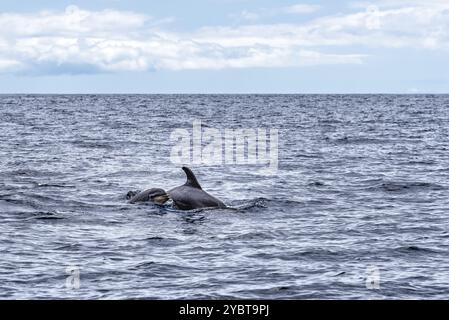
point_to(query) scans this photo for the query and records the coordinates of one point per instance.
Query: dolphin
(156, 195)
(191, 196)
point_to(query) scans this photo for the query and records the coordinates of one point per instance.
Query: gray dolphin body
(191, 196)
(155, 195)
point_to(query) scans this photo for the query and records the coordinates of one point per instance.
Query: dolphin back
(192, 196)
(188, 198)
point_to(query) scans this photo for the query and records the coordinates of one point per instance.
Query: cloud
(398, 3)
(9, 65)
(302, 8)
(73, 21)
(82, 41)
(247, 15)
(252, 16)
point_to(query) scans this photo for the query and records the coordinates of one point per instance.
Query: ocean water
(358, 208)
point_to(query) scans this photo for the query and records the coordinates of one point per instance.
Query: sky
(224, 46)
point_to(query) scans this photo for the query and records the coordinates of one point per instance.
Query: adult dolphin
(191, 196)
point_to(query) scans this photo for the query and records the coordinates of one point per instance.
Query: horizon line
(225, 93)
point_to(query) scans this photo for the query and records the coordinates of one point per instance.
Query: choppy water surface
(363, 182)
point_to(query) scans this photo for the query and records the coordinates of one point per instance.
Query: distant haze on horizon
(224, 46)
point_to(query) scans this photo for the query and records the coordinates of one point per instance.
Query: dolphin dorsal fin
(191, 179)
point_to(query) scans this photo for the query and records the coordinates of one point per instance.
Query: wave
(54, 185)
(413, 249)
(28, 173)
(92, 144)
(257, 235)
(403, 186)
(359, 140)
(240, 205)
(44, 215)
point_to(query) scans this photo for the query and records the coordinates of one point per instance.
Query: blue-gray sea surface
(360, 199)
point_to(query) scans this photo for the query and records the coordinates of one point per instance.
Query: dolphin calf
(156, 195)
(191, 196)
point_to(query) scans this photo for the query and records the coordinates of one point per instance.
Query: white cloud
(78, 40)
(302, 8)
(252, 16)
(398, 3)
(9, 65)
(247, 15)
(72, 21)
